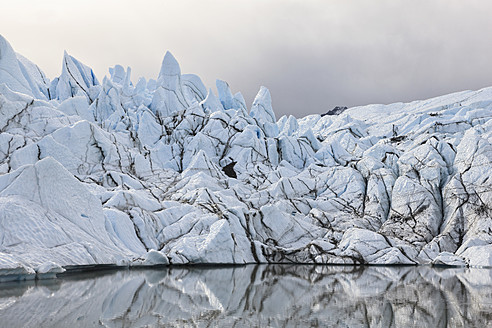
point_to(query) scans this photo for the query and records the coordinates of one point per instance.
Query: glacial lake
(254, 296)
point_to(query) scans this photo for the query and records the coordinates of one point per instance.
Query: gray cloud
(312, 55)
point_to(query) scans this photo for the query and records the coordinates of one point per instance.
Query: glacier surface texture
(166, 172)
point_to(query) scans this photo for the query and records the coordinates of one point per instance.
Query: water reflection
(250, 296)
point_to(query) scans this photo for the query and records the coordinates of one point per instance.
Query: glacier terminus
(165, 171)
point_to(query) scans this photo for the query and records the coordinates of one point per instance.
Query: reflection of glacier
(165, 171)
(249, 296)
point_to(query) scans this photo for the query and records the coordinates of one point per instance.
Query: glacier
(164, 172)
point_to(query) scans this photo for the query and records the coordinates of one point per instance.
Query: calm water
(254, 296)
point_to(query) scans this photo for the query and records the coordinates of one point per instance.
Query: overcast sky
(312, 55)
